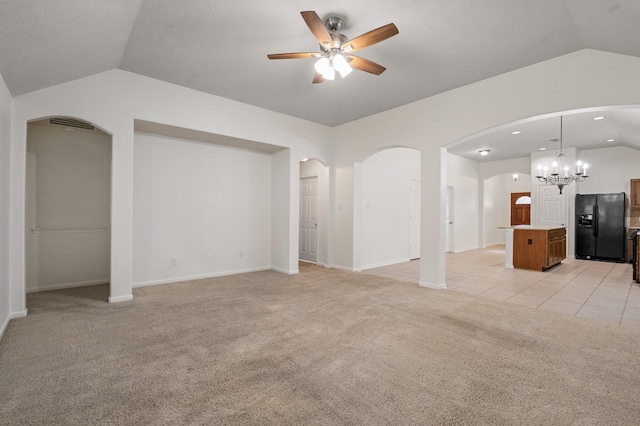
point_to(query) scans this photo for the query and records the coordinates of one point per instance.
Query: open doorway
(68, 210)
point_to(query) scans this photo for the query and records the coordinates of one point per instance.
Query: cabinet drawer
(555, 233)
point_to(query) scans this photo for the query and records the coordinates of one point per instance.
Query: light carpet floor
(321, 347)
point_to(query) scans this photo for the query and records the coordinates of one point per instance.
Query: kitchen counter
(544, 228)
(534, 247)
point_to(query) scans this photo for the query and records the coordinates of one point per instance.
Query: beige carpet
(322, 347)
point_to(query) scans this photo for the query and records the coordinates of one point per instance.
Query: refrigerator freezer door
(610, 232)
(585, 226)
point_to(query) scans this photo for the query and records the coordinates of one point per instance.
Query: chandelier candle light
(560, 175)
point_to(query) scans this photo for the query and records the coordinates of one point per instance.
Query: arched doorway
(68, 209)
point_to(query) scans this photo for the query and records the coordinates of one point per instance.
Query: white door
(414, 219)
(552, 206)
(309, 219)
(449, 220)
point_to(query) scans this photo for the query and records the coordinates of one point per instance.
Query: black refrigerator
(600, 232)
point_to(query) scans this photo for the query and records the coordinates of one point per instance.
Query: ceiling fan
(336, 50)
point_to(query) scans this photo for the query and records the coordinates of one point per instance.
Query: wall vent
(71, 122)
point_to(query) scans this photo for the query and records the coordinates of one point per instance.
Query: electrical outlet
(210, 258)
(174, 261)
(241, 254)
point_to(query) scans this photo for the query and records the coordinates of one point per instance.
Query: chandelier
(560, 175)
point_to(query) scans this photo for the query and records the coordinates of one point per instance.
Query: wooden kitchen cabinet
(634, 197)
(539, 249)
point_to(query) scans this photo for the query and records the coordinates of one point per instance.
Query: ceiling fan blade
(370, 38)
(365, 65)
(318, 29)
(318, 78)
(296, 55)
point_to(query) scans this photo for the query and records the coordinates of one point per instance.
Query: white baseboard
(7, 320)
(341, 268)
(68, 285)
(466, 249)
(120, 298)
(431, 285)
(285, 271)
(199, 277)
(387, 263)
(5, 324)
(18, 314)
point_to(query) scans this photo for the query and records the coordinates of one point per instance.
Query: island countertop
(532, 228)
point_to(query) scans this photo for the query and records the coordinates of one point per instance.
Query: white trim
(66, 231)
(4, 326)
(18, 314)
(342, 268)
(432, 286)
(13, 315)
(198, 277)
(291, 272)
(68, 285)
(121, 298)
(466, 249)
(387, 263)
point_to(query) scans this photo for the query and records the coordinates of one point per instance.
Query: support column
(122, 215)
(433, 217)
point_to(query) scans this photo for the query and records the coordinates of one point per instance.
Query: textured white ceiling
(221, 47)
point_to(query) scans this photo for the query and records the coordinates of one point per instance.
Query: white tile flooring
(600, 290)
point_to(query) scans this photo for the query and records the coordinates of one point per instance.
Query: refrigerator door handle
(595, 221)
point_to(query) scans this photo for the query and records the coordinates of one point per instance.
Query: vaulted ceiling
(220, 47)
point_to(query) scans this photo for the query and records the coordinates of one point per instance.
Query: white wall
(583, 79)
(113, 100)
(68, 207)
(464, 176)
(497, 204)
(384, 205)
(611, 170)
(284, 212)
(204, 205)
(5, 190)
(579, 80)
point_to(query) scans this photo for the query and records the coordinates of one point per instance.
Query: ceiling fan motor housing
(333, 23)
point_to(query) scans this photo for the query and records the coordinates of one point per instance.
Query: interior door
(520, 208)
(414, 219)
(449, 220)
(552, 207)
(308, 245)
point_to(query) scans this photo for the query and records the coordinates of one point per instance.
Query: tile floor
(599, 290)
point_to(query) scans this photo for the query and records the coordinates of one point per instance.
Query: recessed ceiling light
(543, 149)
(598, 118)
(484, 152)
(611, 140)
(516, 132)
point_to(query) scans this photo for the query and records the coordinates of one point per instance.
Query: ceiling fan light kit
(335, 48)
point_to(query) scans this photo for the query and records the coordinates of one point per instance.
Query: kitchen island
(537, 248)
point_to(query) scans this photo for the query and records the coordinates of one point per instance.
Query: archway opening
(68, 208)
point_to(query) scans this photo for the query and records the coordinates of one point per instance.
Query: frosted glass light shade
(340, 63)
